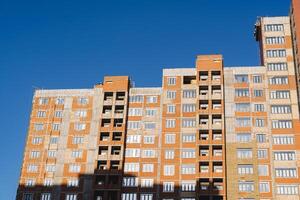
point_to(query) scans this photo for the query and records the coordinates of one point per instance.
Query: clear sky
(73, 44)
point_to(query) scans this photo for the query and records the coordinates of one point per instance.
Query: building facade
(209, 133)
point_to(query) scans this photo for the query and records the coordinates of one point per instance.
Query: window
(58, 113)
(275, 40)
(136, 99)
(133, 125)
(264, 187)
(37, 140)
(133, 138)
(259, 122)
(150, 125)
(171, 80)
(129, 196)
(55, 127)
(258, 93)
(32, 168)
(171, 108)
(146, 183)
(188, 122)
(188, 169)
(130, 182)
(188, 108)
(43, 101)
(146, 197)
(45, 196)
(48, 182)
(132, 153)
(149, 139)
(170, 138)
(34, 154)
(276, 53)
(50, 168)
(245, 169)
(187, 94)
(171, 94)
(241, 78)
(242, 92)
(188, 186)
(79, 126)
(246, 186)
(243, 137)
(274, 27)
(259, 107)
(188, 137)
(280, 94)
(242, 107)
(257, 79)
(30, 182)
(286, 172)
(38, 126)
(151, 99)
(244, 153)
(261, 138)
(168, 186)
(149, 153)
(52, 154)
(169, 170)
(169, 154)
(59, 101)
(278, 80)
(73, 183)
(76, 153)
(281, 124)
(262, 153)
(132, 167)
(151, 112)
(188, 153)
(148, 168)
(74, 168)
(277, 66)
(263, 170)
(287, 189)
(280, 109)
(27, 196)
(41, 114)
(242, 122)
(135, 112)
(80, 113)
(170, 123)
(283, 139)
(71, 197)
(82, 100)
(77, 140)
(284, 155)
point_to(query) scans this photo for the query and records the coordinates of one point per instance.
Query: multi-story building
(209, 133)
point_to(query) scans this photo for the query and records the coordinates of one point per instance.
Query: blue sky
(73, 44)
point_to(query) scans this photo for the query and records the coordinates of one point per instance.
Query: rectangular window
(257, 79)
(32, 168)
(263, 170)
(132, 167)
(58, 113)
(76, 154)
(283, 139)
(284, 124)
(264, 187)
(133, 139)
(276, 53)
(277, 66)
(71, 197)
(245, 169)
(274, 27)
(259, 107)
(74, 168)
(169, 154)
(146, 197)
(77, 140)
(80, 113)
(43, 101)
(275, 40)
(146, 183)
(242, 92)
(243, 122)
(52, 154)
(55, 127)
(187, 94)
(169, 170)
(188, 186)
(262, 153)
(136, 99)
(34, 154)
(41, 114)
(37, 140)
(279, 80)
(45, 196)
(258, 93)
(130, 182)
(170, 138)
(82, 100)
(188, 108)
(148, 153)
(244, 153)
(242, 107)
(188, 153)
(149, 139)
(171, 108)
(79, 126)
(188, 122)
(59, 101)
(280, 94)
(246, 186)
(148, 167)
(261, 138)
(170, 123)
(287, 189)
(168, 186)
(243, 137)
(135, 112)
(171, 94)
(188, 169)
(281, 109)
(259, 122)
(286, 172)
(150, 125)
(133, 125)
(151, 99)
(50, 168)
(151, 112)
(171, 80)
(132, 153)
(129, 196)
(188, 137)
(284, 155)
(73, 183)
(241, 78)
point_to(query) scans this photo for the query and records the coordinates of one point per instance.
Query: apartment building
(208, 133)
